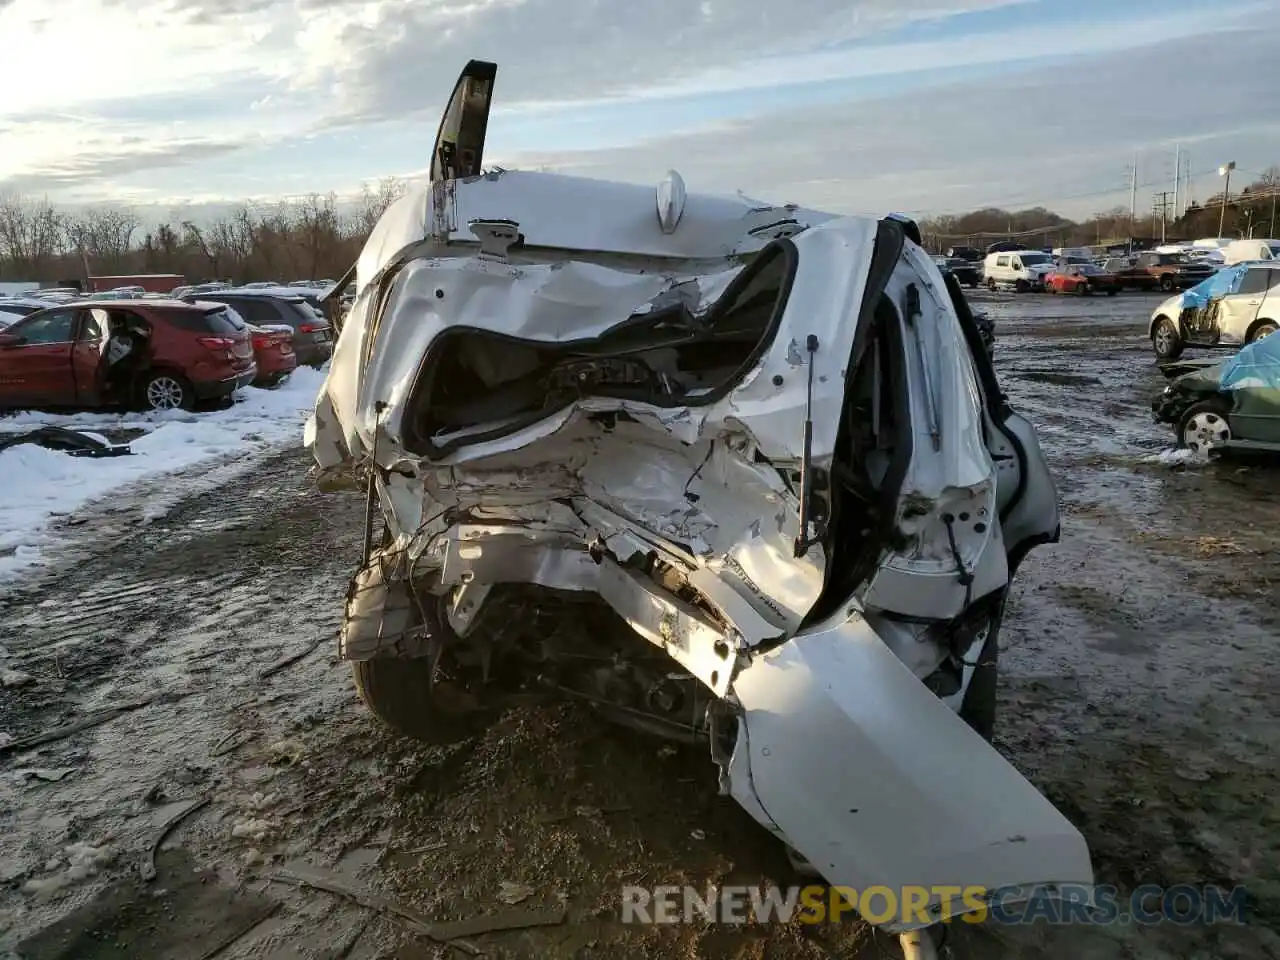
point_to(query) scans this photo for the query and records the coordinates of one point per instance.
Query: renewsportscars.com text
(1066, 904)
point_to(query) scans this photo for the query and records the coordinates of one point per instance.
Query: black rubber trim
(886, 254)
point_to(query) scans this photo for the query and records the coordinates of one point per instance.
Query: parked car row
(1232, 404)
(156, 351)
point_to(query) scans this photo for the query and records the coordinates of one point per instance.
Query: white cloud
(220, 97)
(1018, 140)
(74, 53)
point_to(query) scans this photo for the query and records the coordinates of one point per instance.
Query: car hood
(1198, 376)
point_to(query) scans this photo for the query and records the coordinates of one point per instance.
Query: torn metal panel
(876, 782)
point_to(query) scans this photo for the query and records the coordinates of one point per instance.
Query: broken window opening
(477, 385)
(873, 448)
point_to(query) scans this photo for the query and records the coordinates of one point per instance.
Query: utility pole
(1275, 188)
(1133, 199)
(1160, 207)
(1177, 177)
(1225, 170)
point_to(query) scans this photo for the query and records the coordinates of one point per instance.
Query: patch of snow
(253, 829)
(14, 678)
(40, 485)
(1171, 457)
(82, 859)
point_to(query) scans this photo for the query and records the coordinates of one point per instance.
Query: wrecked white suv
(728, 472)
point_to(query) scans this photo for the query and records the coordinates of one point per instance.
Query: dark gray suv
(312, 337)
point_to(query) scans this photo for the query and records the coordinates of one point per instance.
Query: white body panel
(897, 790)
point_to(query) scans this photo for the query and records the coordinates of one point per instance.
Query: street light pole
(1225, 171)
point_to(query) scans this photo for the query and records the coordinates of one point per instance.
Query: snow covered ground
(39, 486)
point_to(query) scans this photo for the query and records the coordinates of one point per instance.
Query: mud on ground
(1138, 692)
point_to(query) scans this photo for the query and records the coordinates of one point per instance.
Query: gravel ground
(1137, 693)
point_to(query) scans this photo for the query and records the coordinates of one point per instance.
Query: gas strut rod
(803, 540)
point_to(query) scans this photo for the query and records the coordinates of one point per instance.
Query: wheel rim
(1164, 338)
(1205, 431)
(1264, 332)
(164, 393)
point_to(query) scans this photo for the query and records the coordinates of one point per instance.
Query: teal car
(1216, 406)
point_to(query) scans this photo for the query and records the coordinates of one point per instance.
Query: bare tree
(30, 234)
(373, 203)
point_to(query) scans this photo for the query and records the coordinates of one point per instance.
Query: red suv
(181, 353)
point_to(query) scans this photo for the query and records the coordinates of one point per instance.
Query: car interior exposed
(665, 356)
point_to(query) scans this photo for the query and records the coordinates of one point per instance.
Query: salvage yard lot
(1138, 693)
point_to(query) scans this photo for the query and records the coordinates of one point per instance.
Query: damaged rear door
(459, 146)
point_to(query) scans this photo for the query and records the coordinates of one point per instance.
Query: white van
(1238, 251)
(1021, 269)
(1077, 254)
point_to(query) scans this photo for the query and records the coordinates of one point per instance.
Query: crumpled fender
(848, 757)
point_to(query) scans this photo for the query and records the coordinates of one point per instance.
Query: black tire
(1214, 407)
(1165, 340)
(1112, 292)
(991, 284)
(395, 691)
(978, 709)
(1167, 284)
(1266, 328)
(1084, 290)
(163, 390)
(1021, 286)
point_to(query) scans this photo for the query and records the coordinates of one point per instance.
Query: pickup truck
(1172, 271)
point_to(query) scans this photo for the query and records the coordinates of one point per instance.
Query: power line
(1116, 191)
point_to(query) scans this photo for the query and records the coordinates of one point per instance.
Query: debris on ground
(14, 678)
(75, 442)
(287, 752)
(251, 829)
(148, 867)
(410, 918)
(46, 774)
(75, 726)
(513, 893)
(290, 660)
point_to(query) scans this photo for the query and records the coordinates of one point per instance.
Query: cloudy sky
(924, 106)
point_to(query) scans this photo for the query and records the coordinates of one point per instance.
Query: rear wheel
(163, 390)
(1204, 428)
(1264, 329)
(991, 284)
(1083, 289)
(399, 692)
(1022, 286)
(1166, 283)
(1165, 340)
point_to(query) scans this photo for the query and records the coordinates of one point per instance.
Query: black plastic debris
(74, 442)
